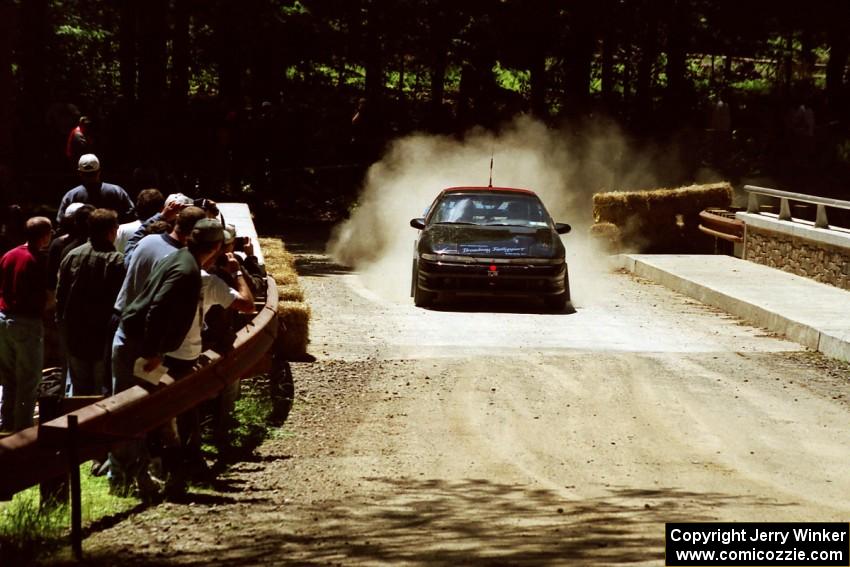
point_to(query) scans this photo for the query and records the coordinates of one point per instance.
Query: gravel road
(482, 433)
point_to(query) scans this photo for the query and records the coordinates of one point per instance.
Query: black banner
(754, 543)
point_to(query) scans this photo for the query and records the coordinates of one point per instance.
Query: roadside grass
(30, 528)
(264, 403)
(30, 531)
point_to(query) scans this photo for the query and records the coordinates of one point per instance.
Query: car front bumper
(503, 277)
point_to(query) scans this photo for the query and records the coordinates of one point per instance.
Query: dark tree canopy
(226, 96)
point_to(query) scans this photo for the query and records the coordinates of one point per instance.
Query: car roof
(488, 189)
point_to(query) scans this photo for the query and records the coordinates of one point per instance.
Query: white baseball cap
(88, 163)
(179, 198)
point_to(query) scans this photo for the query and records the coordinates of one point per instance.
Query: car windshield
(493, 209)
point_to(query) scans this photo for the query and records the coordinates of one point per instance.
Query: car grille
(519, 278)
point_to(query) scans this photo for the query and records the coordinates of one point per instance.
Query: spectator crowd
(134, 289)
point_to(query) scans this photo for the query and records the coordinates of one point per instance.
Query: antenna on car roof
(491, 170)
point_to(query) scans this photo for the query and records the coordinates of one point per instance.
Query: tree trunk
(439, 57)
(127, 49)
(438, 79)
(152, 56)
(538, 82)
(373, 59)
(229, 56)
(628, 56)
(33, 58)
(677, 34)
(838, 51)
(646, 65)
(579, 55)
(789, 63)
(180, 53)
(542, 14)
(6, 87)
(609, 45)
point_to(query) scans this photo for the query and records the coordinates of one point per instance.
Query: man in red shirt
(79, 141)
(23, 298)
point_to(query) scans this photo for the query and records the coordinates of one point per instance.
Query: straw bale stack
(608, 236)
(292, 310)
(661, 220)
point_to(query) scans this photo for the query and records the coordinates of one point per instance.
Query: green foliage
(31, 528)
(253, 414)
(512, 79)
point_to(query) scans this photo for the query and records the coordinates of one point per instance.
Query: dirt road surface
(485, 434)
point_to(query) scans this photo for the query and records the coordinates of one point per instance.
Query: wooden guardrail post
(54, 490)
(76, 496)
(29, 457)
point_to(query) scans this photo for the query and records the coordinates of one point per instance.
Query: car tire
(421, 298)
(557, 302)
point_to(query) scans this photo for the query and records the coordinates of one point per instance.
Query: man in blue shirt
(95, 192)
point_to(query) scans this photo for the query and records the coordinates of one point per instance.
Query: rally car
(491, 241)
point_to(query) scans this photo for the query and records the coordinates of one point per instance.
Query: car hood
(491, 241)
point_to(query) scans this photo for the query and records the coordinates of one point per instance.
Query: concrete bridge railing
(813, 249)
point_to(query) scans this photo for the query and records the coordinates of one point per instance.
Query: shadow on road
(470, 522)
(497, 305)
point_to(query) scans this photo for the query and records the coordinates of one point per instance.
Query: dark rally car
(493, 241)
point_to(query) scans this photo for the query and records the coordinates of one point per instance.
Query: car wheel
(560, 302)
(421, 298)
(557, 302)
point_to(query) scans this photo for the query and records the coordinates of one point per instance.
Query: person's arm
(63, 204)
(170, 313)
(137, 236)
(128, 212)
(63, 287)
(244, 302)
(254, 273)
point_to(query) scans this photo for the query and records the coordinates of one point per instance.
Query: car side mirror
(417, 223)
(562, 228)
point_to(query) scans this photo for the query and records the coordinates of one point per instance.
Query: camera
(208, 205)
(239, 243)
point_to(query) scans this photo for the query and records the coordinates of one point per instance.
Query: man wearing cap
(151, 249)
(215, 292)
(156, 323)
(95, 192)
(156, 223)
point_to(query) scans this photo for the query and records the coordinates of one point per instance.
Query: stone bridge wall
(820, 254)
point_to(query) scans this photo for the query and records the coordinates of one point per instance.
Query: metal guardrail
(715, 223)
(785, 197)
(40, 453)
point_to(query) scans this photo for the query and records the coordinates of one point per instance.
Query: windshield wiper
(457, 222)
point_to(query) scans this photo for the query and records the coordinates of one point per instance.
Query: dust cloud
(563, 168)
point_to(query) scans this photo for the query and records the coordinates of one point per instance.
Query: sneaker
(175, 489)
(150, 488)
(99, 468)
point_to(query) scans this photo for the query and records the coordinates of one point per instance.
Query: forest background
(285, 103)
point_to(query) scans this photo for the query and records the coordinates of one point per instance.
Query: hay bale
(608, 236)
(296, 335)
(661, 220)
(618, 206)
(292, 311)
(290, 292)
